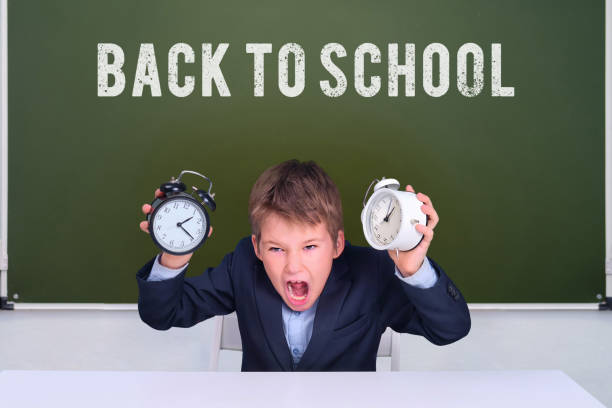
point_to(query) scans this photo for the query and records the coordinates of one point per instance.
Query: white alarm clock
(389, 216)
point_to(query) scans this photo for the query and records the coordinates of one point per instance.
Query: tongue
(299, 289)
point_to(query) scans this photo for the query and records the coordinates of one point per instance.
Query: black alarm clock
(179, 223)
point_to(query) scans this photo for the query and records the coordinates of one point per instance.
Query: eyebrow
(271, 242)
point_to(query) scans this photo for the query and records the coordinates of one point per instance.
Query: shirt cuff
(424, 278)
(159, 272)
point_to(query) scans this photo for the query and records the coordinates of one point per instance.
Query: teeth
(294, 296)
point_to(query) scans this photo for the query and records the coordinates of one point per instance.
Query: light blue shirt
(298, 330)
(297, 326)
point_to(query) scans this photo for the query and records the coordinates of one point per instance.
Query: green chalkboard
(518, 181)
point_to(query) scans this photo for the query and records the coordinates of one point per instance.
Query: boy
(305, 299)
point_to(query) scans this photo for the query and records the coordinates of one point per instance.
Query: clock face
(179, 225)
(385, 219)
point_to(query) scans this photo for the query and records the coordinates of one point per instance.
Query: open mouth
(297, 292)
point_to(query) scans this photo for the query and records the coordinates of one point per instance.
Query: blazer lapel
(269, 305)
(330, 302)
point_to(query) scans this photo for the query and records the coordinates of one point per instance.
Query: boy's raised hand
(167, 260)
(409, 262)
(146, 209)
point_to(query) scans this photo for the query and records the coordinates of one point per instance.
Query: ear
(255, 246)
(339, 244)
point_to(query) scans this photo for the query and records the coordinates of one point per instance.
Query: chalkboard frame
(4, 298)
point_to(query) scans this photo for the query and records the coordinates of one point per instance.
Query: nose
(294, 262)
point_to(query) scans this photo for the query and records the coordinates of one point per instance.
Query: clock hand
(186, 232)
(388, 215)
(186, 220)
(178, 224)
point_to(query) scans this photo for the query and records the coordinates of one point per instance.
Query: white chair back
(227, 337)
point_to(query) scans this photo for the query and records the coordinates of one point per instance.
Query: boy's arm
(182, 302)
(439, 313)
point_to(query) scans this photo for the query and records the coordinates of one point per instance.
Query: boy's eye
(274, 249)
(309, 247)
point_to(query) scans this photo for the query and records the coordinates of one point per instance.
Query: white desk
(79, 389)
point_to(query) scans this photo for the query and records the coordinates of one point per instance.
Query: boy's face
(297, 258)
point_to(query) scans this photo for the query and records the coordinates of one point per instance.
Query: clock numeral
(377, 235)
(199, 220)
(182, 244)
(158, 227)
(164, 236)
(166, 210)
(186, 206)
(199, 231)
(159, 217)
(175, 206)
(172, 243)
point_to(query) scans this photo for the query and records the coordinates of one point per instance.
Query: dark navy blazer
(361, 298)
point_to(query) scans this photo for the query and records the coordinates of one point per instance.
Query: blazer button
(452, 292)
